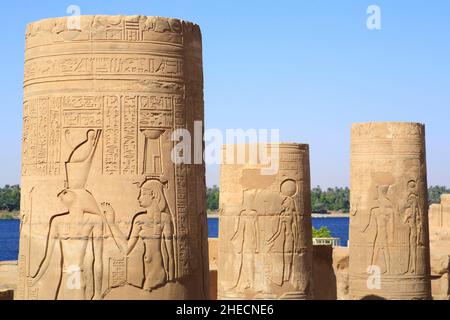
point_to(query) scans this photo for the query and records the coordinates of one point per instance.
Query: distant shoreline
(9, 215)
(216, 215)
(313, 215)
(330, 215)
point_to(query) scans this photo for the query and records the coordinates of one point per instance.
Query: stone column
(265, 232)
(105, 212)
(389, 241)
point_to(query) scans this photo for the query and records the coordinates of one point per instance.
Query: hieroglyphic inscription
(77, 119)
(33, 294)
(121, 116)
(129, 135)
(132, 32)
(290, 162)
(29, 137)
(88, 65)
(42, 142)
(182, 205)
(83, 102)
(113, 28)
(193, 221)
(158, 102)
(55, 132)
(111, 138)
(42, 136)
(117, 272)
(155, 119)
(22, 285)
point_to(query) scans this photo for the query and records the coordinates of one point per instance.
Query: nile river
(9, 233)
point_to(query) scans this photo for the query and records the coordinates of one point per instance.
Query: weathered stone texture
(106, 213)
(265, 241)
(389, 239)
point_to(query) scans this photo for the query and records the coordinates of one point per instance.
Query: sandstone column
(105, 212)
(265, 232)
(389, 246)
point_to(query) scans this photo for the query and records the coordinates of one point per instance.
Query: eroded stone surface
(340, 267)
(265, 241)
(8, 275)
(212, 253)
(389, 240)
(440, 266)
(440, 213)
(105, 212)
(324, 277)
(439, 219)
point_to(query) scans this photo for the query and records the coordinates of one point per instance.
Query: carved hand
(32, 281)
(108, 211)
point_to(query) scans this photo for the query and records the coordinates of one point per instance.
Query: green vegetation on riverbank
(10, 198)
(212, 198)
(323, 232)
(332, 199)
(9, 215)
(435, 192)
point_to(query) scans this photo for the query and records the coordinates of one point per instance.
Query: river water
(9, 233)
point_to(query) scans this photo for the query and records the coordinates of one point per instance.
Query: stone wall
(439, 221)
(8, 279)
(440, 262)
(212, 248)
(330, 273)
(340, 267)
(439, 214)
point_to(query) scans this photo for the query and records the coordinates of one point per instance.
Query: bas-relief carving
(152, 228)
(108, 150)
(265, 251)
(285, 240)
(112, 64)
(72, 232)
(138, 29)
(245, 239)
(388, 208)
(388, 224)
(119, 116)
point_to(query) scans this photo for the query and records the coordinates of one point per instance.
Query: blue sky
(307, 67)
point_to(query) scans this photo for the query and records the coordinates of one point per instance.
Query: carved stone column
(389, 246)
(105, 212)
(265, 232)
